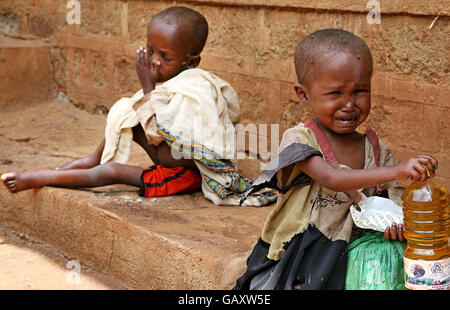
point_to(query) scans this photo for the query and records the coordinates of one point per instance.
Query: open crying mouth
(344, 120)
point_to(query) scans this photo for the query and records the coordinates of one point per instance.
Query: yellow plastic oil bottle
(426, 229)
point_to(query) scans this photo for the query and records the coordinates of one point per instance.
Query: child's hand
(394, 232)
(413, 169)
(147, 70)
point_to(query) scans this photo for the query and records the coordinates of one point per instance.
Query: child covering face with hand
(185, 125)
(321, 165)
(170, 49)
(175, 38)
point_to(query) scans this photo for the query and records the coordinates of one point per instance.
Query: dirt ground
(28, 264)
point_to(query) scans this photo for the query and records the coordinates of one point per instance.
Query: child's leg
(160, 155)
(93, 159)
(87, 162)
(101, 175)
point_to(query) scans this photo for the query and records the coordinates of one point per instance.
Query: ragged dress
(304, 241)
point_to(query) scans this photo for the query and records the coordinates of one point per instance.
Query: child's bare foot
(16, 182)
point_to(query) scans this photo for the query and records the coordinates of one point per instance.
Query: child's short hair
(323, 42)
(189, 20)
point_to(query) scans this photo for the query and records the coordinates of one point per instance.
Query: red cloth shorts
(157, 181)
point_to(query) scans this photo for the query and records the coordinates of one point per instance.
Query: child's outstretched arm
(347, 180)
(342, 180)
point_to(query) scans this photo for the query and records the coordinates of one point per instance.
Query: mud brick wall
(251, 44)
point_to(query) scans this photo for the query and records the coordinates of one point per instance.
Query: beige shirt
(209, 103)
(314, 204)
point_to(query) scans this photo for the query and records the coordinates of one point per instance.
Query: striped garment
(234, 187)
(180, 111)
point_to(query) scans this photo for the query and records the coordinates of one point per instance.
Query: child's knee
(109, 171)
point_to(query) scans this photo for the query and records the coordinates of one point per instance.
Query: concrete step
(178, 242)
(28, 264)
